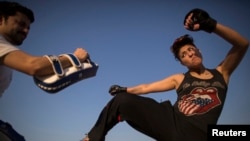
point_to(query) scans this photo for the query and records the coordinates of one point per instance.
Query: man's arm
(37, 65)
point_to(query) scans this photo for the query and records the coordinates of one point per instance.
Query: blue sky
(130, 41)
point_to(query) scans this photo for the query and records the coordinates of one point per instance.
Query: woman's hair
(180, 42)
(8, 8)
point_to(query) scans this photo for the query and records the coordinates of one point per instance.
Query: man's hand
(81, 54)
(116, 89)
(198, 19)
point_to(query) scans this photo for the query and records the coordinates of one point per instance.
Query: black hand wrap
(202, 18)
(116, 89)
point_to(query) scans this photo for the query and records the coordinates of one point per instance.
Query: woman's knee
(123, 98)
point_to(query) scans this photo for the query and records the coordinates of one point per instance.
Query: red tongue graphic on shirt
(199, 101)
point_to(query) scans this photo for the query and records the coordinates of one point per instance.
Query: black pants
(147, 116)
(7, 133)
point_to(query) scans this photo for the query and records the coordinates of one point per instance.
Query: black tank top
(200, 102)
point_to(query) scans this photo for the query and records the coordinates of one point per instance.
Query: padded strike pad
(63, 78)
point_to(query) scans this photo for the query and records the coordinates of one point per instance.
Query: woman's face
(190, 56)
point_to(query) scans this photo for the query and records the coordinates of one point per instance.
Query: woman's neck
(199, 70)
